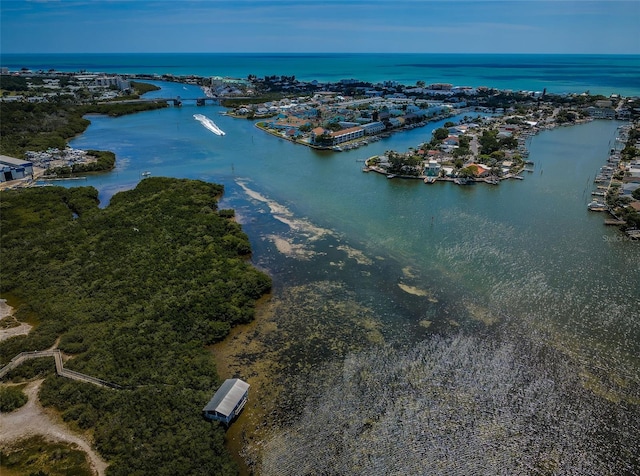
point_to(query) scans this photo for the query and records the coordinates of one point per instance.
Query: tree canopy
(135, 291)
(39, 126)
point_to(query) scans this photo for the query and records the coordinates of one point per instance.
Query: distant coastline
(558, 73)
(456, 257)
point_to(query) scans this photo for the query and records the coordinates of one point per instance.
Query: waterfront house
(629, 187)
(480, 170)
(345, 135)
(448, 171)
(227, 403)
(319, 132)
(433, 168)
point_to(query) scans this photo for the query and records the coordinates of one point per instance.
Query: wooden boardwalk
(60, 370)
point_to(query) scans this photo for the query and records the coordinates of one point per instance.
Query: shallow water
(359, 260)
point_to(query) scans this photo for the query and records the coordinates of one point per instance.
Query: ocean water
(598, 74)
(359, 260)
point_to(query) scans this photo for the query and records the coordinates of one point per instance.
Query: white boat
(596, 206)
(209, 124)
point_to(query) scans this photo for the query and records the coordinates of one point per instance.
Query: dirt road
(32, 419)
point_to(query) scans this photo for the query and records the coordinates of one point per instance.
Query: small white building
(433, 168)
(228, 401)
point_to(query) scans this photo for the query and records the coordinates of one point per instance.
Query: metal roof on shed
(227, 396)
(4, 159)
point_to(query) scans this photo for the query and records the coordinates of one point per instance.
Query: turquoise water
(599, 74)
(527, 249)
(526, 254)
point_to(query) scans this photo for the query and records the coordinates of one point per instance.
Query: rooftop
(227, 396)
(4, 159)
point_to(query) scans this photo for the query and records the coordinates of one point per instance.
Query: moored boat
(596, 206)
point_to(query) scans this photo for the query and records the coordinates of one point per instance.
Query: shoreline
(222, 64)
(240, 430)
(348, 145)
(430, 179)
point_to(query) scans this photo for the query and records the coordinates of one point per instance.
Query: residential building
(601, 112)
(480, 170)
(373, 127)
(346, 135)
(433, 168)
(109, 81)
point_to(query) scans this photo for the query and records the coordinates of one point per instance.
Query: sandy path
(6, 311)
(22, 329)
(32, 419)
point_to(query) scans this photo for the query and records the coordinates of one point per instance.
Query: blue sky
(444, 26)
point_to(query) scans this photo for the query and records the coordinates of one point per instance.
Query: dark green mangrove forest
(134, 292)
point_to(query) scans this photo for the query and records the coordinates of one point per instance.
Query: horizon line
(307, 53)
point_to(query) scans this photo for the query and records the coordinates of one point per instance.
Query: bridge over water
(201, 101)
(176, 101)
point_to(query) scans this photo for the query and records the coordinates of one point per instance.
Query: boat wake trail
(209, 124)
